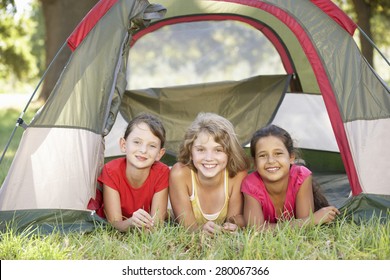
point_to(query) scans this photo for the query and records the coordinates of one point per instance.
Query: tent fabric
(47, 221)
(363, 207)
(256, 98)
(81, 31)
(323, 43)
(112, 73)
(336, 14)
(54, 167)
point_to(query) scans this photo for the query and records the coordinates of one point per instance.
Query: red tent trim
(322, 78)
(327, 6)
(336, 14)
(89, 22)
(326, 90)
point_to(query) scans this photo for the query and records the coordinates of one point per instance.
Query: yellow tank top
(202, 218)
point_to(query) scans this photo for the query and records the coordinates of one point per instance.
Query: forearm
(190, 225)
(122, 226)
(159, 216)
(237, 219)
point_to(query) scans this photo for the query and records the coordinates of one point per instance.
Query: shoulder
(180, 179)
(299, 171)
(239, 177)
(180, 170)
(115, 163)
(114, 166)
(252, 177)
(253, 185)
(298, 174)
(159, 172)
(158, 166)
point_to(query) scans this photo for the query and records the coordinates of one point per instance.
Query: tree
(4, 4)
(16, 61)
(61, 17)
(373, 17)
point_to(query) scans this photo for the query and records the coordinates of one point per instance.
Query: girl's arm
(158, 210)
(304, 202)
(179, 196)
(235, 216)
(305, 207)
(253, 213)
(113, 211)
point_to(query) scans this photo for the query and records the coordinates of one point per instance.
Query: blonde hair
(223, 133)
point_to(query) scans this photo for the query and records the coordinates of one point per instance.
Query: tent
(292, 63)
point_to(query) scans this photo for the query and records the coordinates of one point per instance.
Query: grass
(341, 240)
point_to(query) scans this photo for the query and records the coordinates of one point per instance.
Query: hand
(230, 227)
(211, 228)
(141, 218)
(325, 215)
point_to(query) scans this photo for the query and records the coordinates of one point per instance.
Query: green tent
(292, 63)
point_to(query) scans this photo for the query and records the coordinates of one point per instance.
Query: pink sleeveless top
(253, 185)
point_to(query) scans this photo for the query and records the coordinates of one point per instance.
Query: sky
(22, 5)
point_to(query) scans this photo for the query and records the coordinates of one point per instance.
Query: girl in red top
(135, 188)
(280, 189)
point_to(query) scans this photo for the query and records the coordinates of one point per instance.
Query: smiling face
(208, 156)
(272, 159)
(142, 147)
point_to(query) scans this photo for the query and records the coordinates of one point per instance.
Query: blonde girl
(205, 182)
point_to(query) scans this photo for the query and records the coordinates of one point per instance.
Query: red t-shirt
(254, 186)
(113, 175)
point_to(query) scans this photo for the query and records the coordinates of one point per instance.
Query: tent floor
(335, 187)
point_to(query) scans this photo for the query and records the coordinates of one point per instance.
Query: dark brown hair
(150, 120)
(320, 200)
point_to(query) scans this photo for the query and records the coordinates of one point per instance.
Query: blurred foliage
(380, 20)
(20, 44)
(8, 4)
(22, 39)
(38, 37)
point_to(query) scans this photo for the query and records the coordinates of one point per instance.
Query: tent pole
(373, 44)
(19, 121)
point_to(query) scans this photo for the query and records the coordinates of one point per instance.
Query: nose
(271, 159)
(208, 155)
(143, 148)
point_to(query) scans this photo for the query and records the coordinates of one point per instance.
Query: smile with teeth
(272, 169)
(208, 166)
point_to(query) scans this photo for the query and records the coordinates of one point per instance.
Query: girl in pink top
(279, 189)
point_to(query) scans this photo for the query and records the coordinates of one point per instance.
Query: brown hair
(320, 200)
(223, 133)
(273, 130)
(150, 120)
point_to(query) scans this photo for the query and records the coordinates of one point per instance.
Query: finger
(141, 221)
(229, 226)
(145, 216)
